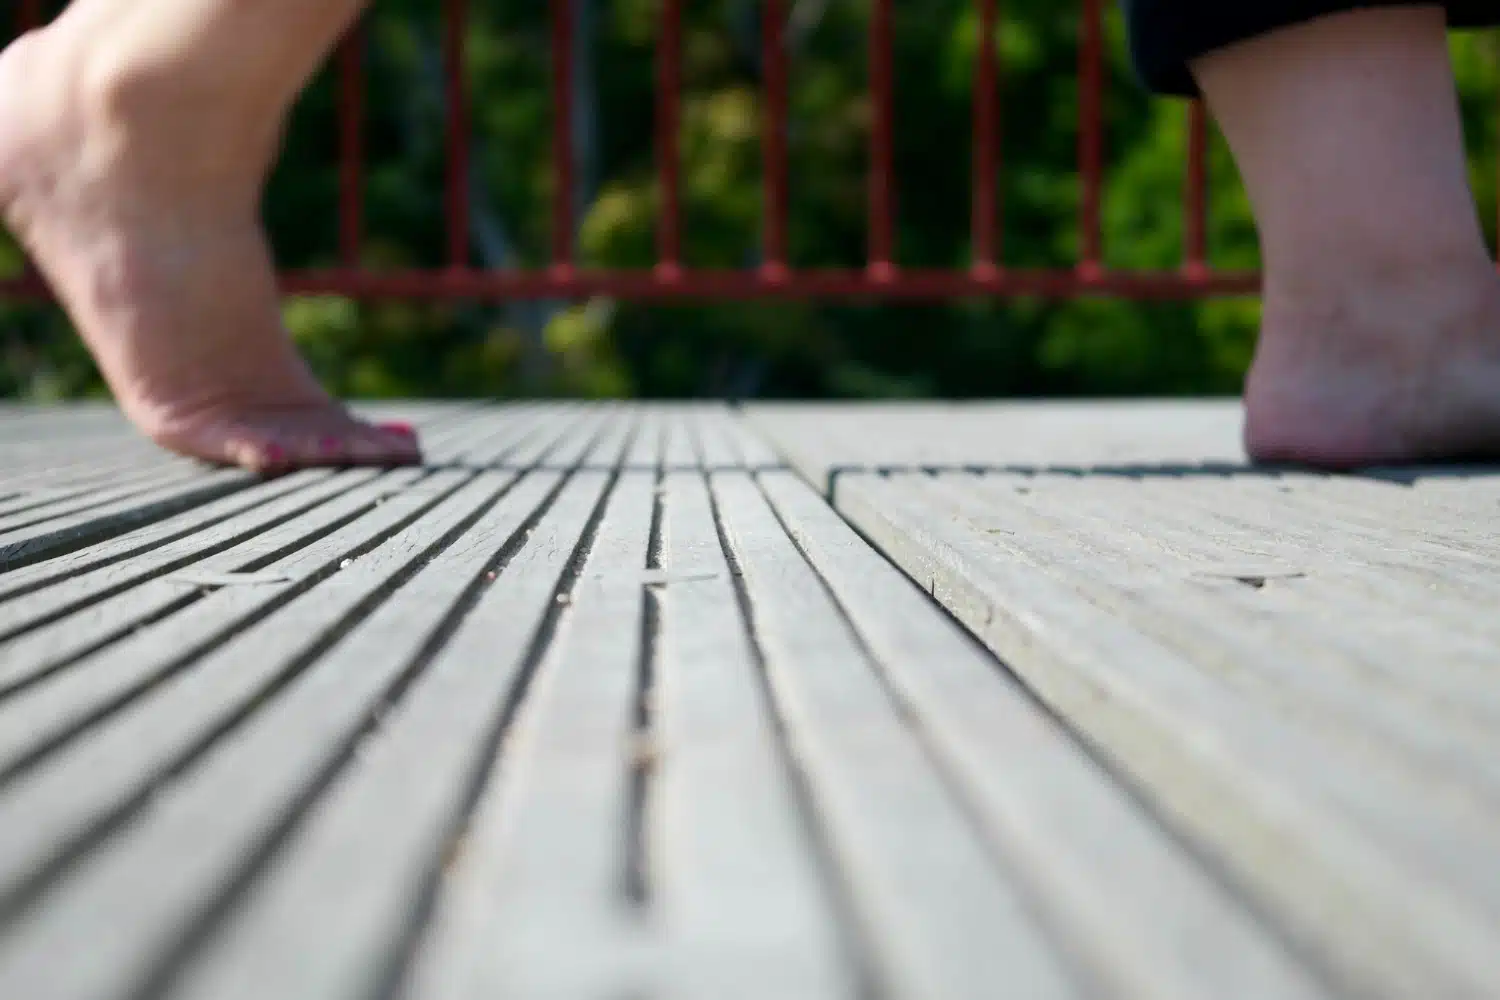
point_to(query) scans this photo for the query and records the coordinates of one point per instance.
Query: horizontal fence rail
(882, 277)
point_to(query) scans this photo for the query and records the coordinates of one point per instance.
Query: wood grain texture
(680, 700)
(942, 921)
(1293, 669)
(742, 894)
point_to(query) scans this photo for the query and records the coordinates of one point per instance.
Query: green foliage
(602, 348)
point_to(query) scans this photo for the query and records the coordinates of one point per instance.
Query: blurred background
(602, 348)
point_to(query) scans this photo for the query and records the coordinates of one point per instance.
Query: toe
(269, 444)
(309, 441)
(385, 445)
(344, 442)
(253, 453)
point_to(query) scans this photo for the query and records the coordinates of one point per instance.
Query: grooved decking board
(607, 701)
(1104, 878)
(535, 902)
(1295, 670)
(950, 924)
(403, 810)
(744, 894)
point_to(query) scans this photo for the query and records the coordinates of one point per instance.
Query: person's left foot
(157, 253)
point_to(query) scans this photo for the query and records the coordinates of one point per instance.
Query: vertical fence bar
(668, 140)
(986, 236)
(776, 197)
(455, 25)
(882, 143)
(351, 115)
(1195, 196)
(1091, 134)
(562, 135)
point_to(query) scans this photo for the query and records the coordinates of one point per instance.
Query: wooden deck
(610, 702)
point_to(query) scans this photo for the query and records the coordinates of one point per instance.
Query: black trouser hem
(1167, 35)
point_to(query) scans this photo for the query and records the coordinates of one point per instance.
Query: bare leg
(134, 142)
(1380, 340)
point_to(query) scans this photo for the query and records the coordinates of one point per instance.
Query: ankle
(1428, 277)
(1394, 374)
(1412, 321)
(176, 119)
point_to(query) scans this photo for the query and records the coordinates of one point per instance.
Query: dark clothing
(1165, 35)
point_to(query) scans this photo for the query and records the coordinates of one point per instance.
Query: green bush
(1013, 347)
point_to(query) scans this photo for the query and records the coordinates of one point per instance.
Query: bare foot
(142, 212)
(1404, 370)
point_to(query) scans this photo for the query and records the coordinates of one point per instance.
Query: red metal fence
(881, 277)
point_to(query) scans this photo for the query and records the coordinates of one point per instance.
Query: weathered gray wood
(426, 415)
(718, 448)
(1431, 603)
(94, 776)
(821, 439)
(644, 454)
(942, 920)
(757, 451)
(39, 650)
(79, 588)
(33, 542)
(677, 451)
(486, 437)
(319, 926)
(44, 465)
(1413, 785)
(1378, 633)
(1392, 565)
(143, 540)
(615, 436)
(581, 428)
(120, 487)
(491, 440)
(741, 901)
(122, 910)
(1114, 886)
(1339, 539)
(48, 709)
(294, 741)
(1397, 510)
(535, 905)
(1219, 767)
(47, 498)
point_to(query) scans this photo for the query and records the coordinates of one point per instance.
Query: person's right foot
(145, 223)
(1404, 370)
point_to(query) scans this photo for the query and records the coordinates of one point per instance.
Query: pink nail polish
(330, 445)
(274, 454)
(397, 427)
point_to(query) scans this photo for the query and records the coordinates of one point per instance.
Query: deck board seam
(65, 539)
(156, 982)
(172, 565)
(146, 545)
(851, 936)
(16, 898)
(189, 598)
(253, 565)
(636, 878)
(954, 785)
(401, 959)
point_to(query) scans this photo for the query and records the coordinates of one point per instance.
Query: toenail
(331, 445)
(274, 453)
(397, 427)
